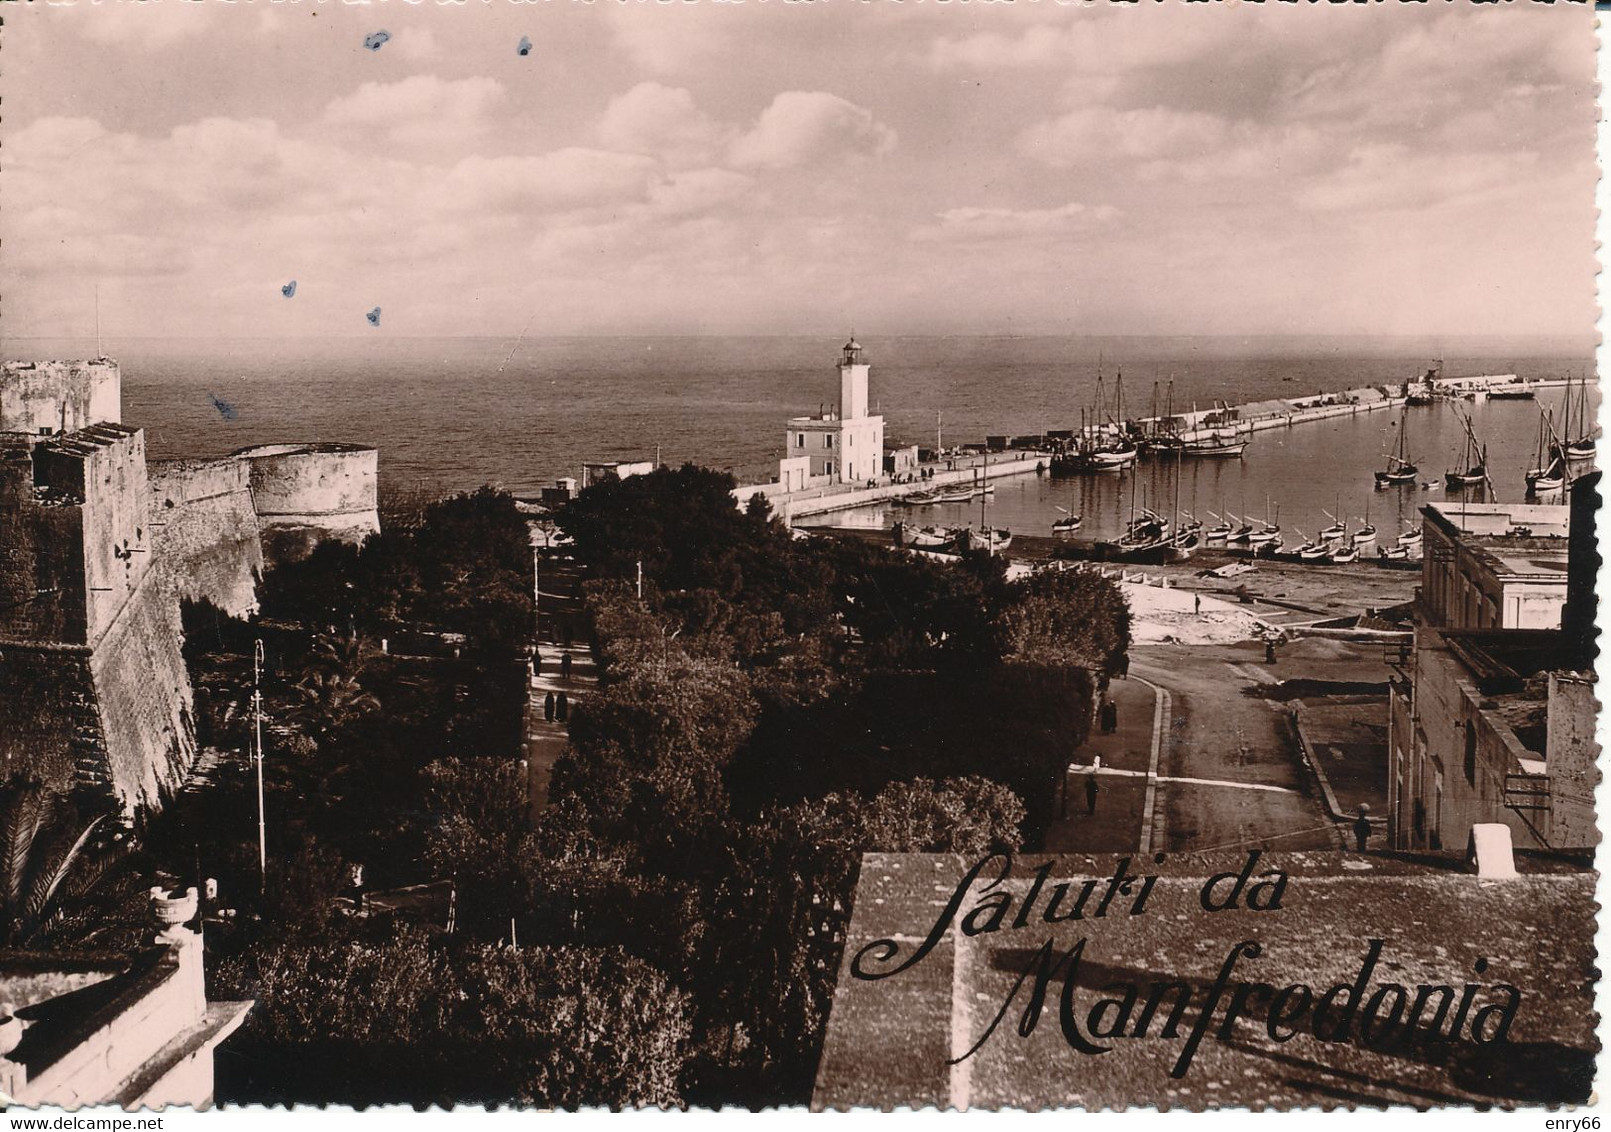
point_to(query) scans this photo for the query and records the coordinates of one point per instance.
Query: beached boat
(1219, 532)
(991, 539)
(1342, 555)
(1365, 535)
(1310, 551)
(1410, 540)
(1394, 553)
(1068, 524)
(924, 538)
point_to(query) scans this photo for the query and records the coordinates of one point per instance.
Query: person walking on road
(565, 668)
(548, 707)
(562, 708)
(1362, 826)
(1091, 791)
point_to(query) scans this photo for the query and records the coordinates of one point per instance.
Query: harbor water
(452, 414)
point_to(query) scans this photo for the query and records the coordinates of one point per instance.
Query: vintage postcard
(851, 554)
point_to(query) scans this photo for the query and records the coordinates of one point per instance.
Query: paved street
(1228, 771)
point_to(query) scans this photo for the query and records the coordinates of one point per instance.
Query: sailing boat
(1579, 444)
(985, 538)
(1118, 452)
(1311, 549)
(1270, 532)
(1549, 473)
(1367, 533)
(1473, 459)
(1068, 524)
(1399, 468)
(1337, 529)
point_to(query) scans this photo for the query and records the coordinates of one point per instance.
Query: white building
(843, 446)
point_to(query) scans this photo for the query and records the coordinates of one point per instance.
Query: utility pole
(257, 757)
(640, 579)
(536, 593)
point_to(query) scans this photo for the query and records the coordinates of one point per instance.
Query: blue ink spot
(289, 289)
(374, 41)
(374, 317)
(525, 46)
(225, 409)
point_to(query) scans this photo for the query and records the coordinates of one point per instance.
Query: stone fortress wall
(305, 494)
(96, 553)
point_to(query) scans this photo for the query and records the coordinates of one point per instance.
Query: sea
(451, 414)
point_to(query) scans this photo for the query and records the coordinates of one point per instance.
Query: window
(1471, 752)
(827, 440)
(799, 440)
(828, 468)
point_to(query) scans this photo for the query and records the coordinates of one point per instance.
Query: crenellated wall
(207, 540)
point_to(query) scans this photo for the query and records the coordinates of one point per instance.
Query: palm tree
(43, 840)
(330, 702)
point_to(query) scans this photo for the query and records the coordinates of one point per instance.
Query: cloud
(664, 121)
(422, 111)
(416, 44)
(698, 191)
(988, 224)
(801, 126)
(564, 179)
(1096, 134)
(141, 25)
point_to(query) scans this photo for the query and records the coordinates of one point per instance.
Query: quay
(829, 464)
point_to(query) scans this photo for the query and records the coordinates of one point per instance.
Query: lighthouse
(837, 447)
(853, 373)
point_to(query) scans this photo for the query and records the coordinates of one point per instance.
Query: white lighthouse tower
(846, 446)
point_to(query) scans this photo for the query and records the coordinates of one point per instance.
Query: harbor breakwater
(1258, 416)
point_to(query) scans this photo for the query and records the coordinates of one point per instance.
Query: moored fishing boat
(1473, 468)
(1400, 468)
(1410, 539)
(1219, 444)
(1113, 459)
(954, 495)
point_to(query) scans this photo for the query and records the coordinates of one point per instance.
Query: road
(1228, 772)
(1220, 733)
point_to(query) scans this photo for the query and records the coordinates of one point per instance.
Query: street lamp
(257, 758)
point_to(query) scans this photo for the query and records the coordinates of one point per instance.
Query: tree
(45, 840)
(329, 704)
(402, 1017)
(1069, 617)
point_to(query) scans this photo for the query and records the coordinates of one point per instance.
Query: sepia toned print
(836, 555)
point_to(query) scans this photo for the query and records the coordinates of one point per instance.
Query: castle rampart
(304, 494)
(206, 535)
(93, 687)
(49, 397)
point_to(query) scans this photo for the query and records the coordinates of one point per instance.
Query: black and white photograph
(798, 554)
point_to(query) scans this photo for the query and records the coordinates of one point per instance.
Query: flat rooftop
(900, 1040)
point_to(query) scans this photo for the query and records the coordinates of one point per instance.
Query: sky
(761, 167)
